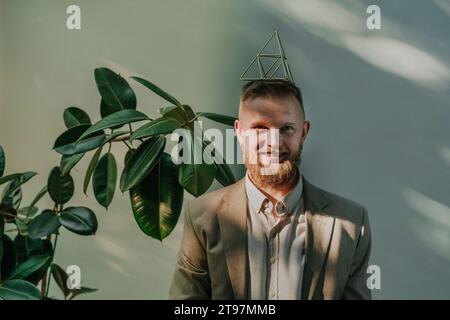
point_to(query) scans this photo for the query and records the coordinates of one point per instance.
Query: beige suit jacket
(212, 262)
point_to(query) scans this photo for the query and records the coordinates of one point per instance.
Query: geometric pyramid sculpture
(270, 62)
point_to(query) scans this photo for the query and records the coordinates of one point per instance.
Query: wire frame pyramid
(266, 65)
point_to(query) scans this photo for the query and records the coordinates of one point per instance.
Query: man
(276, 235)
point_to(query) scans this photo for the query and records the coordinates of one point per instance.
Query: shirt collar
(257, 199)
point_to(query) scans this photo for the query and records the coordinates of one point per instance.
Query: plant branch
(123, 138)
(128, 146)
(50, 268)
(44, 278)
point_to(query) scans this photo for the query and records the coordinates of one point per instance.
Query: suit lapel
(232, 216)
(318, 238)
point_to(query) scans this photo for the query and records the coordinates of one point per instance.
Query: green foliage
(74, 116)
(157, 200)
(104, 182)
(155, 184)
(141, 162)
(80, 220)
(60, 187)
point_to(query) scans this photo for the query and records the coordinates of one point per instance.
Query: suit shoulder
(206, 205)
(344, 208)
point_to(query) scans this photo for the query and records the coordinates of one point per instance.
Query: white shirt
(276, 246)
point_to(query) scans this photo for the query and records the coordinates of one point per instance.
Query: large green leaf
(18, 182)
(31, 265)
(117, 118)
(68, 162)
(82, 146)
(91, 168)
(2, 161)
(115, 90)
(61, 277)
(164, 110)
(43, 225)
(11, 199)
(157, 200)
(106, 110)
(182, 114)
(104, 180)
(71, 135)
(158, 126)
(19, 290)
(74, 116)
(60, 187)
(9, 177)
(80, 220)
(188, 111)
(196, 178)
(27, 247)
(228, 120)
(128, 155)
(69, 142)
(157, 90)
(142, 162)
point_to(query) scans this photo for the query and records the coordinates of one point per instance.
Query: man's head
(271, 109)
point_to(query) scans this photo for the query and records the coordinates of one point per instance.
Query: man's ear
(305, 130)
(237, 130)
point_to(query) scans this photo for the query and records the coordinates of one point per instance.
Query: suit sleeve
(356, 287)
(191, 277)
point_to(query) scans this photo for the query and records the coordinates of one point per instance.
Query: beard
(279, 175)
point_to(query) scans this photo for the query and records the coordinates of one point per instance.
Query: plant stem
(44, 278)
(128, 146)
(124, 138)
(50, 269)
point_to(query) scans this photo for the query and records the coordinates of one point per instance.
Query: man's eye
(287, 129)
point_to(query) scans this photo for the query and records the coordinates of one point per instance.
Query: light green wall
(378, 102)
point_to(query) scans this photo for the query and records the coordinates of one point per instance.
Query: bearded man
(273, 235)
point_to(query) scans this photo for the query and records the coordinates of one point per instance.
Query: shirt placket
(273, 252)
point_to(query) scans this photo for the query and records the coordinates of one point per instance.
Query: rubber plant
(155, 184)
(29, 258)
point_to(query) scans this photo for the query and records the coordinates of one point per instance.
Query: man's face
(271, 132)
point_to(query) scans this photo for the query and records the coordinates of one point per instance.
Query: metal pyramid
(267, 63)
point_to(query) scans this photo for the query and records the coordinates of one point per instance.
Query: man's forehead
(270, 109)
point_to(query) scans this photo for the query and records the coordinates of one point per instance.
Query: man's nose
(270, 139)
